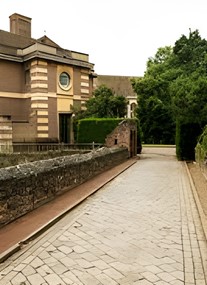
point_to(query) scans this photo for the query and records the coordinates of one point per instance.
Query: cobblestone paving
(142, 228)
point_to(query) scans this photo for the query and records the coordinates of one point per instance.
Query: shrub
(186, 140)
(96, 129)
(201, 147)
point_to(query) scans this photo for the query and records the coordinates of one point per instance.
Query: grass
(158, 145)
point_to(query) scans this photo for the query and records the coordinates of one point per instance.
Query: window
(64, 80)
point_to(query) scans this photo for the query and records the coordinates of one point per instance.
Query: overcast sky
(118, 35)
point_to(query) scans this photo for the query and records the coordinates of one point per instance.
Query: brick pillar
(39, 97)
(6, 134)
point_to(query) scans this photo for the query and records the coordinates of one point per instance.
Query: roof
(121, 85)
(11, 43)
(48, 41)
(14, 41)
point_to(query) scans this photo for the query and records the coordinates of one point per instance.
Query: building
(121, 85)
(40, 84)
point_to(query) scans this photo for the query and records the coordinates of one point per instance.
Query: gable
(47, 41)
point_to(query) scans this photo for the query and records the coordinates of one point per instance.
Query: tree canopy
(105, 104)
(154, 103)
(189, 90)
(173, 89)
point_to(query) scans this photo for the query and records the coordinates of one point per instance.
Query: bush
(96, 129)
(186, 140)
(201, 147)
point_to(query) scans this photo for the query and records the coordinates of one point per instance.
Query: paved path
(141, 228)
(13, 235)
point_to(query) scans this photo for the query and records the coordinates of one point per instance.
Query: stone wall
(27, 186)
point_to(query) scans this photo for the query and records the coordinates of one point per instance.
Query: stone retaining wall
(27, 186)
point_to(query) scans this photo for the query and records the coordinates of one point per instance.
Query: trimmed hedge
(186, 140)
(96, 129)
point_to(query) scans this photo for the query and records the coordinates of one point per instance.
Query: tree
(154, 103)
(175, 87)
(105, 104)
(189, 90)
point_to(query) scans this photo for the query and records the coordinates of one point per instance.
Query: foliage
(186, 138)
(139, 137)
(173, 90)
(105, 104)
(154, 108)
(96, 129)
(201, 147)
(190, 53)
(189, 90)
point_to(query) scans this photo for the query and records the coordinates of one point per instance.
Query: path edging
(198, 203)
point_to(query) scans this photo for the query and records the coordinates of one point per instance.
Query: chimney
(20, 25)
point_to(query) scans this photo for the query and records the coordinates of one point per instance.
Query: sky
(119, 35)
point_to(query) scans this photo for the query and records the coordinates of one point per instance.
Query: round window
(64, 80)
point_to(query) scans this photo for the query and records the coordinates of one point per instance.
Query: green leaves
(189, 98)
(105, 104)
(190, 53)
(154, 101)
(174, 87)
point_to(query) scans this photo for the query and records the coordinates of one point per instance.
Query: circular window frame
(64, 87)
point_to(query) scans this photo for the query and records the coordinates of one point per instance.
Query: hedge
(95, 129)
(201, 147)
(186, 140)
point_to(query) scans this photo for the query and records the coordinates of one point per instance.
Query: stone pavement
(29, 226)
(141, 228)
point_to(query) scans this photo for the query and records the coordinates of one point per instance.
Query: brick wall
(5, 134)
(12, 77)
(28, 186)
(124, 135)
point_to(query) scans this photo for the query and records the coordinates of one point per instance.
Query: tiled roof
(14, 40)
(121, 85)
